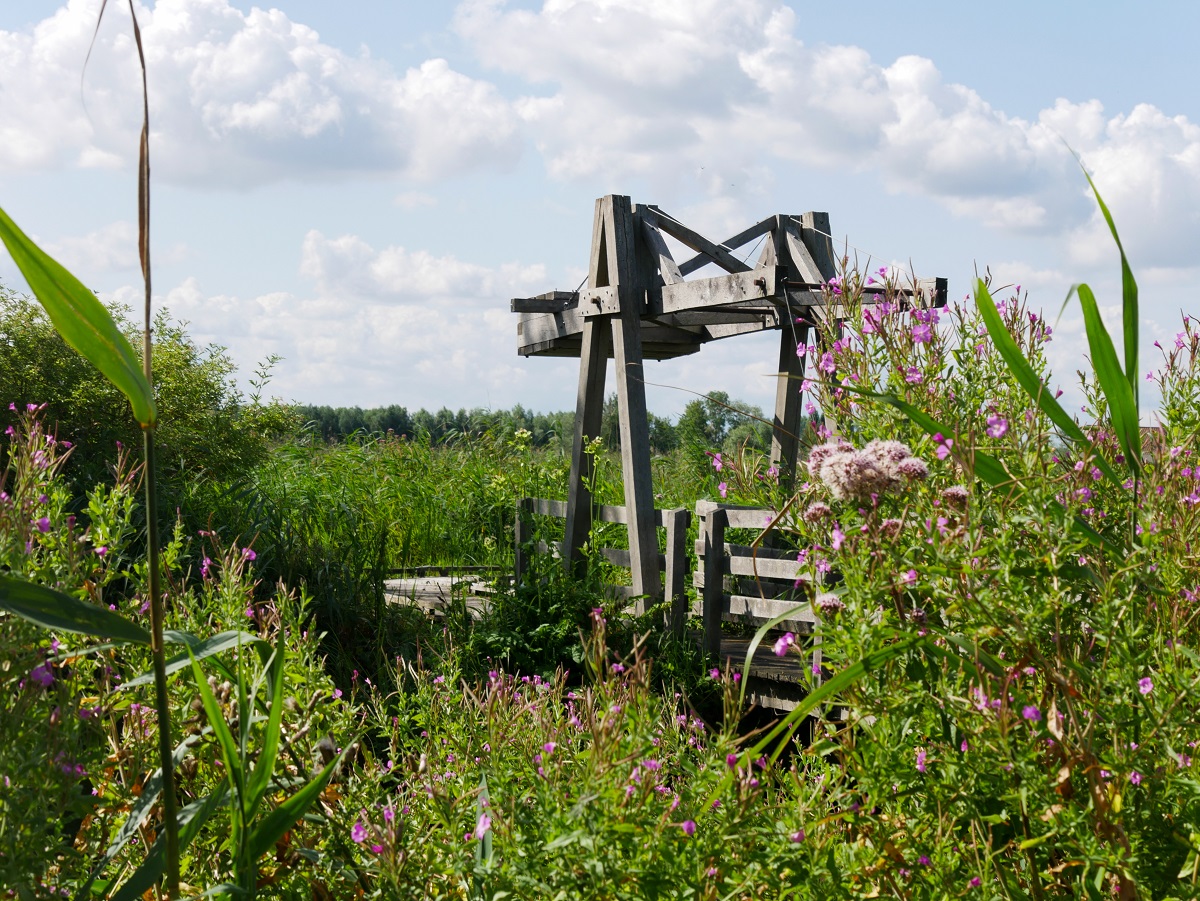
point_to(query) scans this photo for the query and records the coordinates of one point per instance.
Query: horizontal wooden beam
(550, 302)
(720, 290)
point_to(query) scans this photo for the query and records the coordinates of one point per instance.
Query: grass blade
(197, 650)
(229, 749)
(1129, 293)
(757, 640)
(60, 612)
(284, 817)
(1122, 399)
(1028, 379)
(260, 777)
(81, 319)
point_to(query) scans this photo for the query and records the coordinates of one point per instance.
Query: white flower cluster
(878, 468)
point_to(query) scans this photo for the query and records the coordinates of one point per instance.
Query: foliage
(206, 426)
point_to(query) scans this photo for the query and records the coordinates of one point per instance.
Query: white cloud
(715, 95)
(237, 99)
(111, 248)
(381, 326)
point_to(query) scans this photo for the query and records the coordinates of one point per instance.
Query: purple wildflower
(920, 760)
(688, 827)
(1031, 713)
(1145, 686)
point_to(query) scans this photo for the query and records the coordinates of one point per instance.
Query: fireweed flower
(42, 675)
(688, 827)
(920, 760)
(1145, 686)
(1031, 713)
(723, 488)
(922, 333)
(358, 832)
(829, 604)
(482, 827)
(784, 642)
(43, 524)
(997, 427)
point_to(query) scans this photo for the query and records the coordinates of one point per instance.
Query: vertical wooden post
(521, 536)
(785, 439)
(616, 260)
(712, 533)
(814, 232)
(589, 404)
(677, 527)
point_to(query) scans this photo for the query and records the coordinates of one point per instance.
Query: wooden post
(615, 263)
(521, 536)
(712, 533)
(589, 404)
(814, 232)
(677, 527)
(785, 438)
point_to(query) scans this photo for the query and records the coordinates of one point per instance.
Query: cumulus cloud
(729, 94)
(237, 99)
(111, 248)
(379, 327)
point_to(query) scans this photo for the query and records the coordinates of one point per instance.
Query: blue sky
(361, 187)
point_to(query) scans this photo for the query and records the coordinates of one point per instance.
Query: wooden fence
(672, 564)
(745, 583)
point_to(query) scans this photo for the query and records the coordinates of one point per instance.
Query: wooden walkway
(775, 682)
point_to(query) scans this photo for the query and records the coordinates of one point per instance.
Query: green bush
(207, 428)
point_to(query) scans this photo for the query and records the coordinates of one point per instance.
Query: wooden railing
(745, 583)
(672, 564)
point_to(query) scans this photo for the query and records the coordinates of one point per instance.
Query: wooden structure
(640, 304)
(672, 565)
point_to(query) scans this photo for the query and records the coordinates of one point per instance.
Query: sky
(361, 187)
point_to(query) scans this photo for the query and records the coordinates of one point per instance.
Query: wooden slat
(802, 265)
(745, 550)
(544, 507)
(764, 568)
(712, 533)
(737, 517)
(720, 290)
(680, 232)
(677, 521)
(620, 557)
(702, 259)
(762, 587)
(740, 606)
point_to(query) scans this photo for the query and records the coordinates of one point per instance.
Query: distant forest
(714, 422)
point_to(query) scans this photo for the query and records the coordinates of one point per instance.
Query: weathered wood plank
(746, 550)
(697, 242)
(789, 411)
(667, 270)
(741, 606)
(743, 237)
(589, 405)
(738, 517)
(678, 521)
(814, 232)
(800, 262)
(712, 533)
(720, 290)
(599, 301)
(550, 302)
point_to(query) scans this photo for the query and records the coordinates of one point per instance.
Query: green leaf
(826, 692)
(1122, 401)
(284, 817)
(60, 612)
(229, 751)
(1029, 381)
(260, 777)
(190, 819)
(81, 319)
(1129, 293)
(198, 650)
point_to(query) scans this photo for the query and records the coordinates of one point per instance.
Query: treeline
(708, 423)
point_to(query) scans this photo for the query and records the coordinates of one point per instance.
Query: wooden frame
(639, 304)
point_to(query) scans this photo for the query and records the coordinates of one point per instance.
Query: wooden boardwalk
(775, 682)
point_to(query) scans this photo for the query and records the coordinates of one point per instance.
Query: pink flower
(1135, 778)
(784, 642)
(1145, 686)
(43, 524)
(797, 836)
(723, 488)
(997, 427)
(922, 333)
(1031, 713)
(838, 537)
(42, 675)
(483, 826)
(688, 827)
(909, 577)
(920, 760)
(358, 832)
